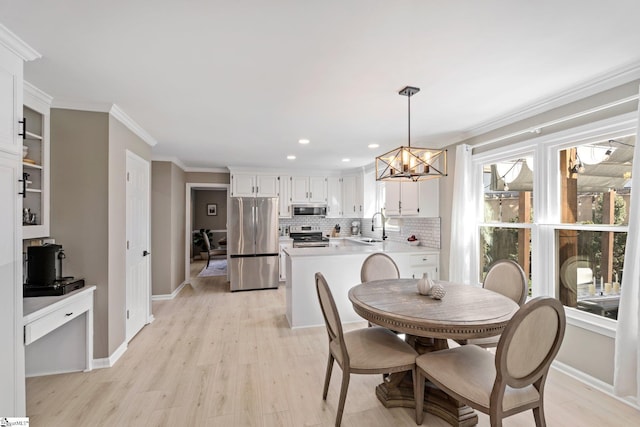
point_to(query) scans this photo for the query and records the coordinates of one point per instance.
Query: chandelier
(411, 163)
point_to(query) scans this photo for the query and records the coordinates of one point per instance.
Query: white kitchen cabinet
(35, 164)
(429, 198)
(334, 197)
(284, 244)
(252, 185)
(402, 198)
(284, 196)
(351, 196)
(416, 264)
(12, 374)
(308, 189)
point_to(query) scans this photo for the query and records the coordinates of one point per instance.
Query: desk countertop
(35, 307)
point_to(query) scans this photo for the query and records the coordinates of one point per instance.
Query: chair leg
(538, 415)
(418, 394)
(343, 395)
(327, 377)
(208, 259)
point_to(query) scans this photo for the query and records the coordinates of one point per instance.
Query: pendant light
(411, 163)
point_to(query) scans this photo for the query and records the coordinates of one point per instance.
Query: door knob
(145, 253)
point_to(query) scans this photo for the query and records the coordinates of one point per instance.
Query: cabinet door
(267, 186)
(317, 189)
(10, 104)
(334, 197)
(409, 198)
(299, 189)
(349, 195)
(243, 185)
(392, 198)
(429, 198)
(283, 260)
(284, 197)
(12, 356)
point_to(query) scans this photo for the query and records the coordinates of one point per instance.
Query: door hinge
(127, 244)
(127, 314)
(128, 177)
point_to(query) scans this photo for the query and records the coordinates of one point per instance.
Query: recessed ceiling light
(373, 145)
(303, 141)
(291, 157)
(346, 160)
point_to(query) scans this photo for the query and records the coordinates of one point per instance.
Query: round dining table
(464, 312)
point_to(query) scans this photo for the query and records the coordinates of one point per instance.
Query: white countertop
(35, 307)
(359, 248)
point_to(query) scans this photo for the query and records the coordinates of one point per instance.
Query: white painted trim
(215, 170)
(108, 362)
(134, 127)
(172, 295)
(188, 226)
(170, 159)
(591, 322)
(592, 382)
(36, 96)
(15, 44)
(67, 104)
(599, 84)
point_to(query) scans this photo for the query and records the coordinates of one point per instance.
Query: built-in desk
(58, 333)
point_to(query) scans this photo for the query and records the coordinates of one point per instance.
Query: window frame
(546, 200)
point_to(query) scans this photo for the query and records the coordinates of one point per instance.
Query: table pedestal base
(398, 392)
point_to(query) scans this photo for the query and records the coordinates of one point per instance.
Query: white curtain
(626, 378)
(463, 256)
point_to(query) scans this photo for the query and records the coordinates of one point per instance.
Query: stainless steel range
(307, 236)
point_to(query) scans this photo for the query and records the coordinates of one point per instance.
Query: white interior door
(138, 264)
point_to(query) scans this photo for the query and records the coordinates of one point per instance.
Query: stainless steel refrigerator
(253, 242)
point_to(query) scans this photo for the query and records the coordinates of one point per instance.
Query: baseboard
(172, 295)
(108, 362)
(593, 382)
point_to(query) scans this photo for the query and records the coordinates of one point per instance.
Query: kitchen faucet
(384, 233)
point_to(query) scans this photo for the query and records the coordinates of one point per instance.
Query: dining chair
(207, 246)
(378, 266)
(505, 277)
(510, 382)
(374, 350)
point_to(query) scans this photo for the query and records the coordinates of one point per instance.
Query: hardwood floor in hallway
(216, 358)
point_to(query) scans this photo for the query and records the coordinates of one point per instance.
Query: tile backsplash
(427, 230)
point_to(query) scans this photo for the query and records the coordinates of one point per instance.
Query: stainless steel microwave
(310, 210)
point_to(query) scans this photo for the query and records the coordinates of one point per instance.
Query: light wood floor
(217, 358)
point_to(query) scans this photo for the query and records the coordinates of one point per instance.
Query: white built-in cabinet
(284, 196)
(282, 256)
(251, 185)
(13, 52)
(35, 163)
(351, 206)
(308, 189)
(407, 198)
(334, 197)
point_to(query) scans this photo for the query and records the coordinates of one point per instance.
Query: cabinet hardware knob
(69, 314)
(25, 176)
(24, 128)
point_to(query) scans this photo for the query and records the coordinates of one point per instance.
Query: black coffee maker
(44, 272)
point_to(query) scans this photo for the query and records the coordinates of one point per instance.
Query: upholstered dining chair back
(507, 278)
(331, 316)
(530, 342)
(378, 266)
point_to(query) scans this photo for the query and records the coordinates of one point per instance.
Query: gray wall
(201, 198)
(167, 227)
(88, 210)
(582, 349)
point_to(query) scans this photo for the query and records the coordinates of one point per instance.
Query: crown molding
(174, 160)
(16, 45)
(599, 84)
(134, 127)
(113, 110)
(36, 98)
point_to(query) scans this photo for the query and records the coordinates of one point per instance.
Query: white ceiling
(237, 83)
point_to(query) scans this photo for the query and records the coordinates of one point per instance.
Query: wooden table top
(465, 311)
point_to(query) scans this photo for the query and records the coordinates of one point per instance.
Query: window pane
(497, 243)
(508, 191)
(596, 182)
(591, 267)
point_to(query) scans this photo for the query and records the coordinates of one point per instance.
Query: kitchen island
(340, 264)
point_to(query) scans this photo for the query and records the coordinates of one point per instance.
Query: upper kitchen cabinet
(407, 198)
(308, 189)
(334, 197)
(284, 196)
(351, 196)
(35, 163)
(252, 185)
